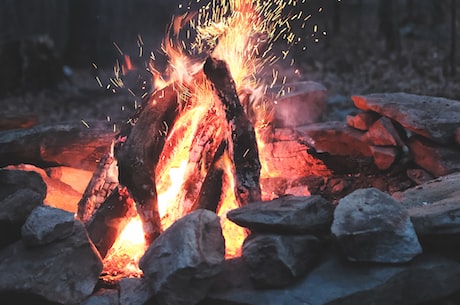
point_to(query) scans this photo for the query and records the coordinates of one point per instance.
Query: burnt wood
(110, 219)
(242, 144)
(138, 153)
(98, 189)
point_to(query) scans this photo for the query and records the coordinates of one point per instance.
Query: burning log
(110, 219)
(100, 186)
(242, 145)
(139, 151)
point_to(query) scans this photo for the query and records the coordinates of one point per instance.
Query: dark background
(52, 50)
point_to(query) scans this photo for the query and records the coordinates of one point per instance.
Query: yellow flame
(127, 250)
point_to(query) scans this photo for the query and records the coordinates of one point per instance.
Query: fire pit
(219, 189)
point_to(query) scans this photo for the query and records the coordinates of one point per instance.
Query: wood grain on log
(242, 145)
(110, 219)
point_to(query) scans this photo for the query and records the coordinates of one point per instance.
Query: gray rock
(338, 282)
(371, 226)
(383, 133)
(63, 272)
(300, 103)
(20, 193)
(46, 224)
(135, 291)
(384, 156)
(434, 206)
(293, 214)
(103, 297)
(435, 118)
(278, 260)
(181, 263)
(435, 159)
(335, 138)
(363, 120)
(457, 135)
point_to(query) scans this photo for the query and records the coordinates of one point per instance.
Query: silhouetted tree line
(81, 32)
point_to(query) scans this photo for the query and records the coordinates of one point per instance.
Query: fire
(126, 252)
(241, 32)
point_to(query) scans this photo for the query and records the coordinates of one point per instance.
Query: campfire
(201, 140)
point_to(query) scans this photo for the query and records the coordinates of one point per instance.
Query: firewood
(138, 153)
(242, 145)
(100, 186)
(110, 219)
(207, 146)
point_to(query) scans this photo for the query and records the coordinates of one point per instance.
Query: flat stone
(384, 133)
(435, 118)
(363, 120)
(384, 157)
(435, 159)
(292, 214)
(371, 226)
(335, 138)
(335, 281)
(434, 206)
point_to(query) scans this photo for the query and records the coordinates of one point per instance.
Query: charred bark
(108, 221)
(100, 186)
(139, 151)
(242, 145)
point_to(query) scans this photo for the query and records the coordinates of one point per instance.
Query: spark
(84, 123)
(118, 48)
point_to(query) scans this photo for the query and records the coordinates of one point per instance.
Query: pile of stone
(394, 126)
(370, 248)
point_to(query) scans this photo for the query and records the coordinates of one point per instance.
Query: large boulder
(182, 263)
(371, 226)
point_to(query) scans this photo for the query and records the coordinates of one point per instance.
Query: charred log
(242, 145)
(100, 186)
(110, 219)
(139, 151)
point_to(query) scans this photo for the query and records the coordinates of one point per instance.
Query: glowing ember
(126, 252)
